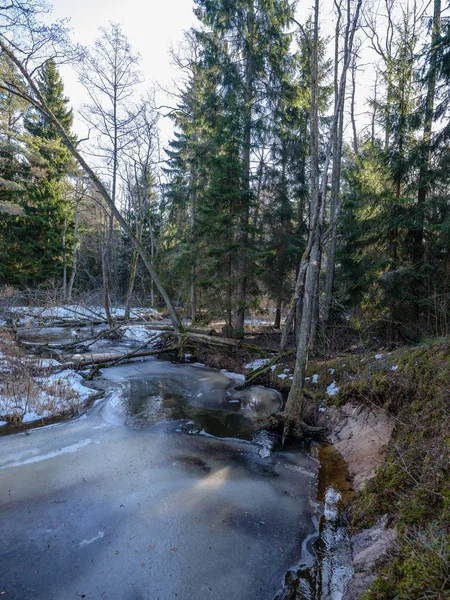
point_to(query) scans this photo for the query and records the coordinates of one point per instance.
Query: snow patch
(332, 389)
(257, 364)
(282, 376)
(378, 356)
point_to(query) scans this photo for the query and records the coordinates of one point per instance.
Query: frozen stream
(164, 489)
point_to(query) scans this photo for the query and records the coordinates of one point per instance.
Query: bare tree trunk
(339, 100)
(294, 308)
(374, 112)
(193, 301)
(36, 99)
(64, 261)
(352, 106)
(134, 262)
(277, 322)
(316, 310)
(152, 257)
(426, 138)
(193, 286)
(241, 287)
(294, 404)
(104, 253)
(75, 255)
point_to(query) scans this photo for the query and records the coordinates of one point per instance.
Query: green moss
(413, 487)
(420, 568)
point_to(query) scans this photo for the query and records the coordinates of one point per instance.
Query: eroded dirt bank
(361, 435)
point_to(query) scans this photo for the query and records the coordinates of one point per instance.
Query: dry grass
(25, 386)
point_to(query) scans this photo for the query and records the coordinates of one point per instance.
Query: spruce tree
(48, 211)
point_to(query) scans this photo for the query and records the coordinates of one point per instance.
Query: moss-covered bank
(411, 489)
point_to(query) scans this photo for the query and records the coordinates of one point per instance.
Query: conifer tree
(247, 40)
(49, 212)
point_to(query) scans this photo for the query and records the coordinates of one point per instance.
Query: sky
(152, 26)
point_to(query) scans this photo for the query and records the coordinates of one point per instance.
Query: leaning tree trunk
(36, 99)
(294, 404)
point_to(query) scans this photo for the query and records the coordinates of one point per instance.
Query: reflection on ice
(206, 400)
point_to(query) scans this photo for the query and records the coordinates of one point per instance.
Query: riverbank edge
(361, 436)
(403, 393)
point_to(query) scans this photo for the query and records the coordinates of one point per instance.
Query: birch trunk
(339, 102)
(294, 404)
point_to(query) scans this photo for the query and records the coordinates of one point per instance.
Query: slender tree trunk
(277, 322)
(313, 335)
(152, 258)
(294, 404)
(294, 308)
(193, 286)
(75, 255)
(134, 263)
(426, 138)
(64, 261)
(352, 107)
(339, 100)
(104, 255)
(374, 112)
(241, 287)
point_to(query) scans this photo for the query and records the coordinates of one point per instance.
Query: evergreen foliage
(36, 164)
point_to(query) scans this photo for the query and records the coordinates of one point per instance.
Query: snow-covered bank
(26, 315)
(31, 390)
(53, 395)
